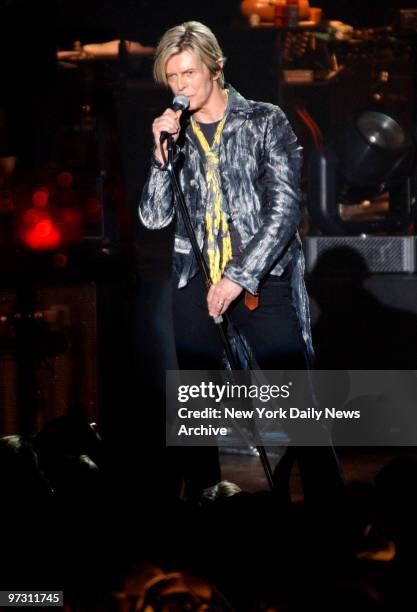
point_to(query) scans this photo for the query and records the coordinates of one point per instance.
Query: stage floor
(358, 463)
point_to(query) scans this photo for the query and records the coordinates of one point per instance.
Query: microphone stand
(178, 195)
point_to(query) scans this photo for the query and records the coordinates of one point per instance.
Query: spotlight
(367, 165)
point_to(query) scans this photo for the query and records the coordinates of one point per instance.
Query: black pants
(272, 330)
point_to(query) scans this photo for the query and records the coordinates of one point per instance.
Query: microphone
(180, 102)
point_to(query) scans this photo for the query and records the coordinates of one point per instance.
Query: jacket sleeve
(156, 209)
(281, 214)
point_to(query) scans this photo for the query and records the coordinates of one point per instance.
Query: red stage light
(40, 197)
(43, 236)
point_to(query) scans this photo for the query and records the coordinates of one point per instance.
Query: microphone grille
(180, 102)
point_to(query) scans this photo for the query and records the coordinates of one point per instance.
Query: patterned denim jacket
(260, 162)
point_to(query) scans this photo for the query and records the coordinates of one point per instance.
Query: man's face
(187, 76)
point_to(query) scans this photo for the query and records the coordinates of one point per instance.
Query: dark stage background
(89, 489)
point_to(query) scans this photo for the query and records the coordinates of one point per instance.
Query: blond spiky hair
(190, 36)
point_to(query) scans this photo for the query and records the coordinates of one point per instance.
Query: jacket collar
(238, 109)
(236, 102)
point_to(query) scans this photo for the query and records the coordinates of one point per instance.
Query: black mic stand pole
(207, 280)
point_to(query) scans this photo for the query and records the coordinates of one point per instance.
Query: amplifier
(53, 351)
(382, 254)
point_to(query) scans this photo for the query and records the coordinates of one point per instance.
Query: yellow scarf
(217, 228)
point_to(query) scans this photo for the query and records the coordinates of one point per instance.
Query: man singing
(238, 164)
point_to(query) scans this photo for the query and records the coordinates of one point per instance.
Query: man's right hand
(169, 122)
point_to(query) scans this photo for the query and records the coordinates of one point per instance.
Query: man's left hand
(220, 296)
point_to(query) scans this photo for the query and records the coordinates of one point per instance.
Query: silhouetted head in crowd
(220, 490)
(153, 590)
(20, 476)
(69, 451)
(70, 435)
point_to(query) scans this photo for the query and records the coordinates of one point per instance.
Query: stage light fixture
(368, 161)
